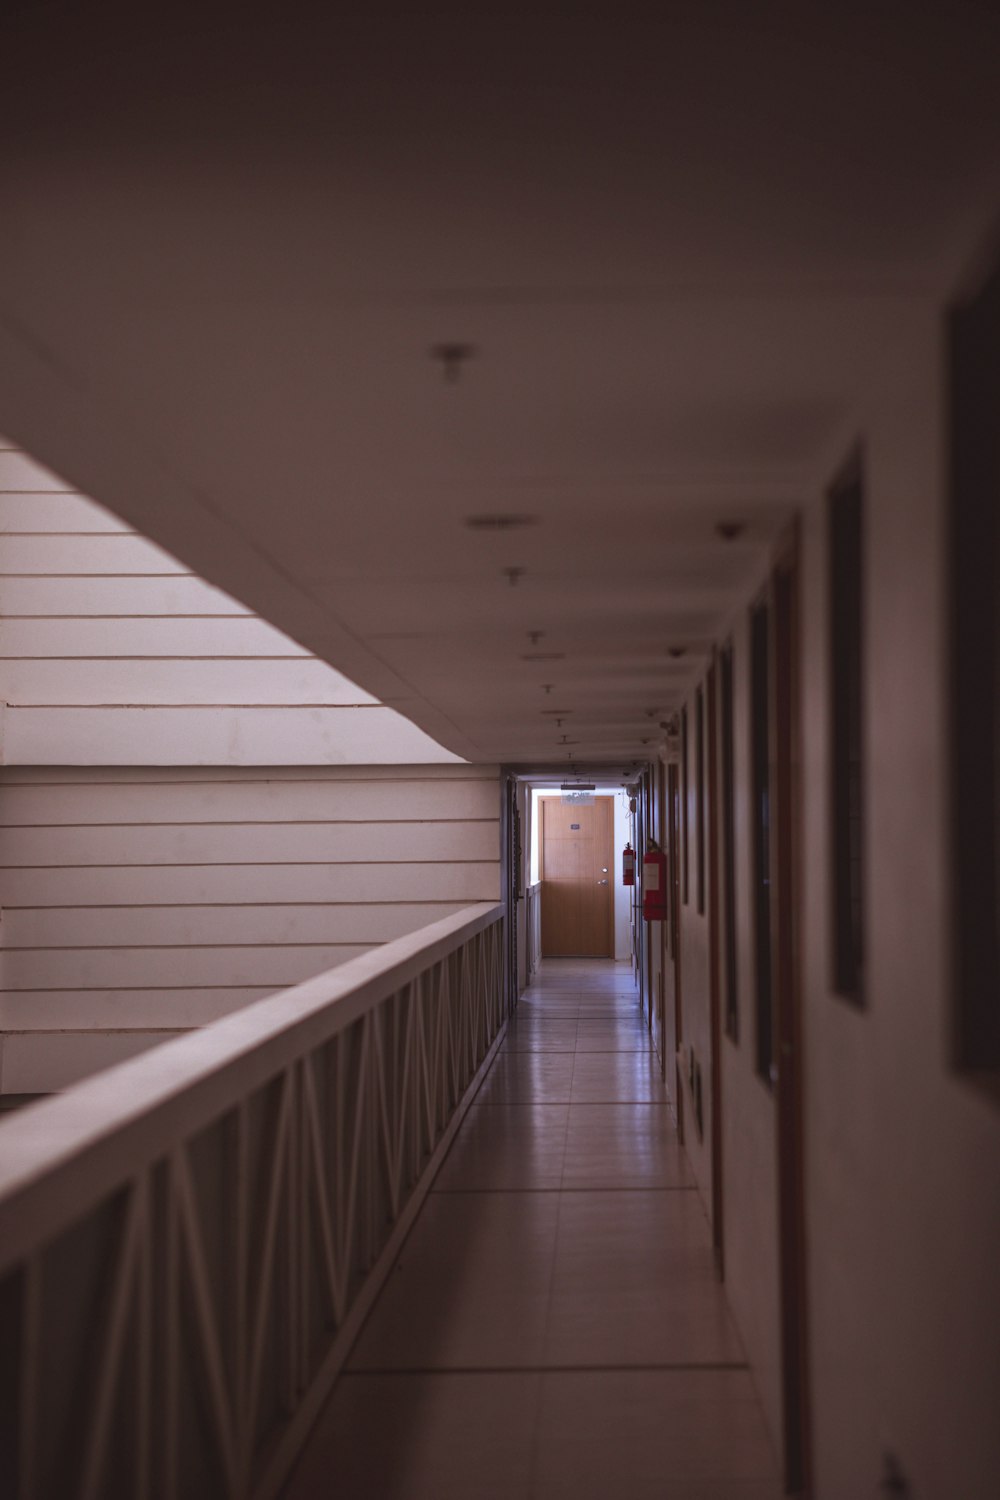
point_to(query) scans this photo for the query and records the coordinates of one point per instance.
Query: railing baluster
(31, 1351)
(220, 1410)
(115, 1335)
(166, 1197)
(303, 1227)
(241, 1278)
(144, 1340)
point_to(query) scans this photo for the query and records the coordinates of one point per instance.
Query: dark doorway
(714, 966)
(674, 876)
(760, 770)
(975, 663)
(786, 875)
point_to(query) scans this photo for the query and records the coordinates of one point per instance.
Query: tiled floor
(553, 1327)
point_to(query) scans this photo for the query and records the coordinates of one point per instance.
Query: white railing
(533, 902)
(190, 1241)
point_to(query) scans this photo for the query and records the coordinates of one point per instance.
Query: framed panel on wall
(974, 352)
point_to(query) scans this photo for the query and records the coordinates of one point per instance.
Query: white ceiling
(683, 251)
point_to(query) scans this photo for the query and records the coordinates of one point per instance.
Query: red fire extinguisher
(628, 865)
(654, 883)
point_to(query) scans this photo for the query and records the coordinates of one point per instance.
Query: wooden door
(577, 878)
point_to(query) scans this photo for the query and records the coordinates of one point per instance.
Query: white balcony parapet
(190, 1241)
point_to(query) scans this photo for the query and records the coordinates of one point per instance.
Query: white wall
(136, 903)
(902, 1153)
(194, 811)
(112, 653)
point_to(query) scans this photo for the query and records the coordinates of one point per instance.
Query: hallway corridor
(553, 1326)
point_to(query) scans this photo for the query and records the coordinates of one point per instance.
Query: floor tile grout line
(667, 1366)
(680, 1187)
(573, 1103)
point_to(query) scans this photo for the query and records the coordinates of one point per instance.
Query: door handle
(602, 882)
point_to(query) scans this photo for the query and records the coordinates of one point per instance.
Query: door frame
(663, 808)
(601, 797)
(674, 823)
(650, 804)
(714, 938)
(511, 862)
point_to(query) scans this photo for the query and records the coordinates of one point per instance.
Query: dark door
(714, 936)
(788, 1073)
(675, 856)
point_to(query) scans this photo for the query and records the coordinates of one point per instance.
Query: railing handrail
(63, 1154)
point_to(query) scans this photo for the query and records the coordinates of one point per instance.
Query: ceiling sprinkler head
(676, 652)
(534, 636)
(730, 530)
(513, 575)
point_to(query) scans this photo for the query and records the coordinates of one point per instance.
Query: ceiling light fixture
(451, 357)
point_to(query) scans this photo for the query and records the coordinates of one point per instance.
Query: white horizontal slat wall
(112, 653)
(194, 811)
(141, 902)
